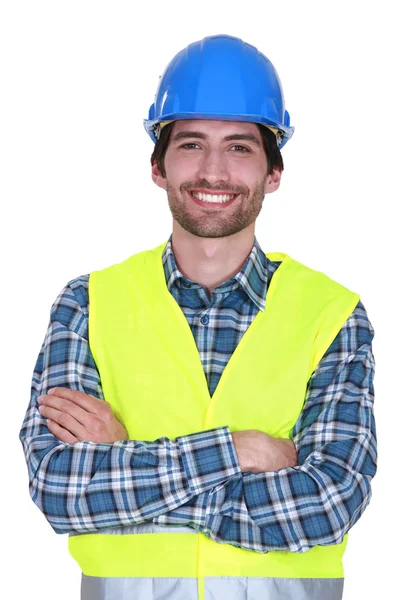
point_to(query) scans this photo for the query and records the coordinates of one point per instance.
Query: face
(216, 176)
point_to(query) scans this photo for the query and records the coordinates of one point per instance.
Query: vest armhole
(328, 333)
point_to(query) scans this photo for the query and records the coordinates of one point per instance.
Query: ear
(273, 181)
(157, 177)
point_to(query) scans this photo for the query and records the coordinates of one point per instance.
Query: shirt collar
(253, 277)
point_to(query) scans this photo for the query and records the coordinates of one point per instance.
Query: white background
(77, 79)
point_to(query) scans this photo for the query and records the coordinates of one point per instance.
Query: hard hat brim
(286, 132)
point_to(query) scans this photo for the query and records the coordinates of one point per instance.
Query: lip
(214, 205)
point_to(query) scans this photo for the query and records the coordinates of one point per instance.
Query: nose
(213, 167)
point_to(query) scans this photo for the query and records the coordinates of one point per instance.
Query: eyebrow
(248, 137)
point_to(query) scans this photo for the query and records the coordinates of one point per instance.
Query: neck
(211, 261)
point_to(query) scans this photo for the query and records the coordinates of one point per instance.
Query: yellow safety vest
(152, 376)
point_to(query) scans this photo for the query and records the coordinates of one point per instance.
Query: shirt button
(186, 284)
(204, 320)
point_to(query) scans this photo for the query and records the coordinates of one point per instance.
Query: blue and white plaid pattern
(87, 486)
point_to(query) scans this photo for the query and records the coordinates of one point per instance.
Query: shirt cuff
(209, 458)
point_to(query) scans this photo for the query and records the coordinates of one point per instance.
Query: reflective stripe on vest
(134, 320)
(215, 588)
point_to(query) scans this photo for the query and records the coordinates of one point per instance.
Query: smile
(216, 200)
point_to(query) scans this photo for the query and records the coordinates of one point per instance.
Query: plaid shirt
(196, 480)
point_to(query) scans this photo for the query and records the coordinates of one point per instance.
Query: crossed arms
(287, 508)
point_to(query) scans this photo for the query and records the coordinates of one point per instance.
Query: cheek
(179, 172)
(244, 175)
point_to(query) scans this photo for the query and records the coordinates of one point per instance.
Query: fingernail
(51, 390)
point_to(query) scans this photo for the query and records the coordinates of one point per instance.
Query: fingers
(86, 401)
(61, 433)
(63, 420)
(81, 415)
(65, 406)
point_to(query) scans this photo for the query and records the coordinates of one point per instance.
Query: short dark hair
(274, 156)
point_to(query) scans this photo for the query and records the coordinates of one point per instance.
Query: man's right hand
(259, 452)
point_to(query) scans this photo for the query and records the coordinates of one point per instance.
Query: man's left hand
(75, 416)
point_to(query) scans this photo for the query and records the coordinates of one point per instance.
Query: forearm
(292, 509)
(87, 486)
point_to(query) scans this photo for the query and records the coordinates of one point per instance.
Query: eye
(242, 147)
(189, 144)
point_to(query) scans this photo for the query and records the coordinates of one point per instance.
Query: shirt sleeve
(88, 486)
(320, 499)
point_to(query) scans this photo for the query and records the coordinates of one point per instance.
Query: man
(210, 433)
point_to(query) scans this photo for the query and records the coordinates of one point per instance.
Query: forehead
(216, 128)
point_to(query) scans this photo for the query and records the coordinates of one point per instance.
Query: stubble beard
(219, 222)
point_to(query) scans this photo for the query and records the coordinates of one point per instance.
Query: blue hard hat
(220, 77)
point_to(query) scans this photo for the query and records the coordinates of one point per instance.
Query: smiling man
(209, 432)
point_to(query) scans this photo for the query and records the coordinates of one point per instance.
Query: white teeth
(212, 198)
